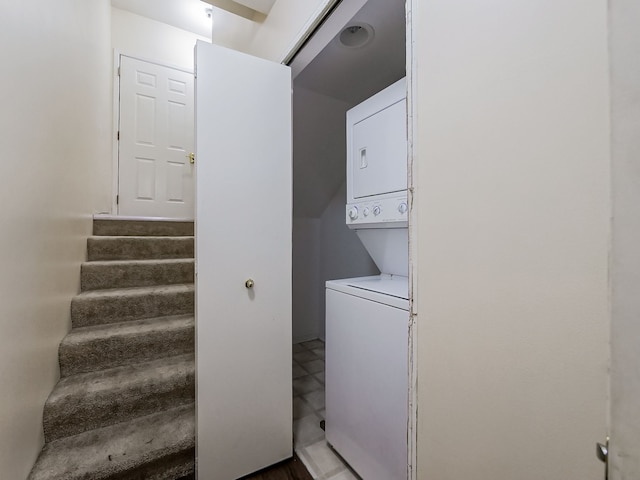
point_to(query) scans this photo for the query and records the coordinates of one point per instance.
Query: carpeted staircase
(124, 406)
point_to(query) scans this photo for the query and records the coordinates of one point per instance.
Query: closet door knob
(249, 283)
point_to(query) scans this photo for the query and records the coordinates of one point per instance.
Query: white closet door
(243, 234)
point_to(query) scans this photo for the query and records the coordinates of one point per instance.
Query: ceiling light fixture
(356, 35)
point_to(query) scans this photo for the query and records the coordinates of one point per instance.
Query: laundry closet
(350, 224)
(342, 75)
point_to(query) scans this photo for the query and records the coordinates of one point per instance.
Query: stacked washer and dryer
(367, 318)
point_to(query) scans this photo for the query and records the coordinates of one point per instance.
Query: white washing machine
(367, 374)
(367, 318)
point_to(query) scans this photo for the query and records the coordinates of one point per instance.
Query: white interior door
(243, 231)
(155, 173)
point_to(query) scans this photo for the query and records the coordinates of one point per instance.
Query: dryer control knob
(365, 212)
(377, 210)
(402, 208)
(353, 213)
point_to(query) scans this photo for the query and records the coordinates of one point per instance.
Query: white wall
(319, 150)
(306, 279)
(55, 134)
(232, 31)
(148, 39)
(342, 252)
(272, 38)
(285, 22)
(625, 271)
(323, 247)
(512, 214)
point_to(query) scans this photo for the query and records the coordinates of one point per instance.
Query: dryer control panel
(389, 212)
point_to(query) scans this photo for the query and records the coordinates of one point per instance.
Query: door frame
(412, 106)
(324, 10)
(624, 459)
(115, 142)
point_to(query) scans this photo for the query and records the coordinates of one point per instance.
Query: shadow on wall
(323, 249)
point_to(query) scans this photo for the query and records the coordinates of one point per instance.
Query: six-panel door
(155, 174)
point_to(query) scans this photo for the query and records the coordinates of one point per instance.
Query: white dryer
(367, 318)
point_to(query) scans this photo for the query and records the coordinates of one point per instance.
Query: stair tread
(107, 274)
(101, 238)
(107, 217)
(135, 291)
(105, 452)
(96, 347)
(136, 247)
(84, 385)
(133, 327)
(142, 226)
(113, 305)
(146, 261)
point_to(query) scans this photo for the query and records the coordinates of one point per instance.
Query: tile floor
(308, 410)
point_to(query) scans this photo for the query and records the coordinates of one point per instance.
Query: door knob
(249, 283)
(192, 158)
(602, 452)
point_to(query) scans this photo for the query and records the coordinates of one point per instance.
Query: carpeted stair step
(99, 347)
(138, 248)
(135, 273)
(98, 399)
(155, 447)
(120, 305)
(124, 409)
(153, 227)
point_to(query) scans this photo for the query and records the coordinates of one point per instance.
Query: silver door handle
(602, 452)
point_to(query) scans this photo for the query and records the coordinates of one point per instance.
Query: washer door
(367, 384)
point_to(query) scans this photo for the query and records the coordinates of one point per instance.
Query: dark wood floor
(292, 469)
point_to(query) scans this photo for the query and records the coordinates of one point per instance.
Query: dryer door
(379, 152)
(377, 144)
